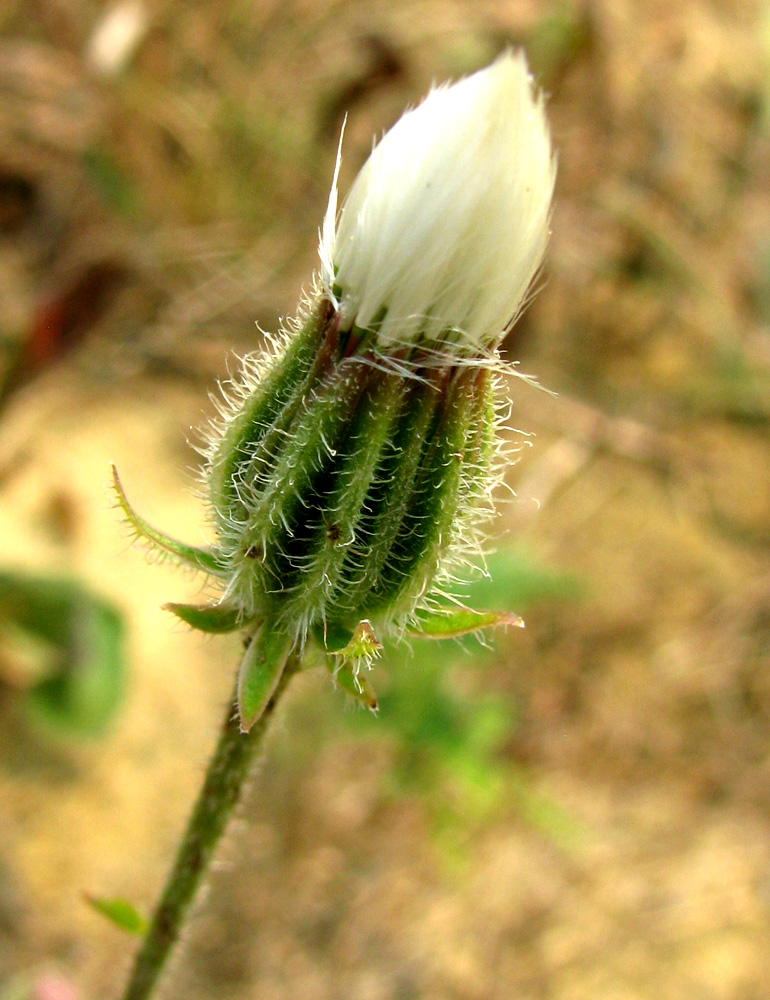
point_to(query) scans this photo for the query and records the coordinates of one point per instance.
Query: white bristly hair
(446, 225)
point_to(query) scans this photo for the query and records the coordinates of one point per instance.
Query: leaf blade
(463, 621)
(120, 912)
(201, 559)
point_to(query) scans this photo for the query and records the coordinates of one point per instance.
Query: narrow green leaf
(260, 671)
(201, 559)
(216, 618)
(448, 624)
(120, 912)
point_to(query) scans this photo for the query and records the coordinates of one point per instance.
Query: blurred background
(581, 810)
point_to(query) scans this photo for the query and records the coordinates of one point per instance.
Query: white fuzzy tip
(446, 225)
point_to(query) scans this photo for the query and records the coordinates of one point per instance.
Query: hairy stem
(222, 789)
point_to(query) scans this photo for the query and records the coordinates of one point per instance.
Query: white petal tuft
(446, 225)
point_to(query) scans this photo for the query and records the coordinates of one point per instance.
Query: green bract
(340, 488)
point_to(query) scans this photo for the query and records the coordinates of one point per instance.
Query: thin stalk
(223, 786)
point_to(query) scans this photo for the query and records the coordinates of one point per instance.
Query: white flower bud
(446, 224)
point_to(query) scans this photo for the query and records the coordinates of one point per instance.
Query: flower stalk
(222, 790)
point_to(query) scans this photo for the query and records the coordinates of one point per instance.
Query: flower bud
(351, 470)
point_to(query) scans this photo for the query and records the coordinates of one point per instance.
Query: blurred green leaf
(16, 989)
(760, 290)
(557, 38)
(729, 385)
(515, 579)
(83, 638)
(120, 912)
(113, 185)
(543, 812)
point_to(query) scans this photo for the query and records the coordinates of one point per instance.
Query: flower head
(345, 490)
(447, 223)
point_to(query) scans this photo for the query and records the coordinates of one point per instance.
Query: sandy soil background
(610, 840)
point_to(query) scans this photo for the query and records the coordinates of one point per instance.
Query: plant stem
(222, 788)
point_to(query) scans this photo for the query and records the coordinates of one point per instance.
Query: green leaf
(120, 912)
(202, 559)
(449, 624)
(215, 618)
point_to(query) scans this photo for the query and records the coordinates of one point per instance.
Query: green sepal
(353, 681)
(201, 559)
(360, 644)
(450, 624)
(119, 912)
(363, 644)
(346, 653)
(260, 671)
(214, 618)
